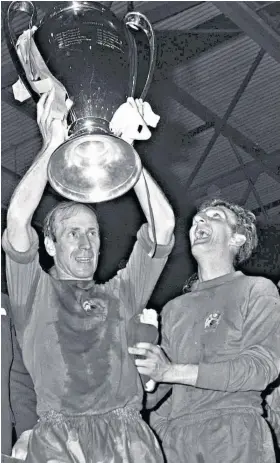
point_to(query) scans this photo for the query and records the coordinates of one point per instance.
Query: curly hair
(189, 283)
(245, 224)
(63, 210)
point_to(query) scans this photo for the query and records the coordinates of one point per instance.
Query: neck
(208, 270)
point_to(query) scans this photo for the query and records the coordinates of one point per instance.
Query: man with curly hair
(220, 349)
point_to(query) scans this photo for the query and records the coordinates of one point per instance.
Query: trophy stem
(89, 125)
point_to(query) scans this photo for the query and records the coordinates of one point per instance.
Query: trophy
(92, 54)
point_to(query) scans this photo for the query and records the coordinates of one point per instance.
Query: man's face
(77, 245)
(212, 230)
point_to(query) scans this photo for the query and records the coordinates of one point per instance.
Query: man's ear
(237, 240)
(50, 247)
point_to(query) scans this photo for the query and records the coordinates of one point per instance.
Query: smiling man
(72, 238)
(220, 349)
(73, 332)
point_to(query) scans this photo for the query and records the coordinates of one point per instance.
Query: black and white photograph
(140, 232)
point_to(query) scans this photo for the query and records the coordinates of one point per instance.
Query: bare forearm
(29, 191)
(25, 201)
(162, 212)
(181, 374)
(153, 362)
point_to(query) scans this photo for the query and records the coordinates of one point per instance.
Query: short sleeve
(23, 271)
(138, 279)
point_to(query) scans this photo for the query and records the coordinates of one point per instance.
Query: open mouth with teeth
(202, 235)
(84, 260)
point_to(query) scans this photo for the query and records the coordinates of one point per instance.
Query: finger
(147, 363)
(59, 129)
(49, 98)
(156, 350)
(42, 99)
(40, 106)
(145, 345)
(153, 352)
(144, 371)
(69, 103)
(138, 351)
(48, 104)
(46, 109)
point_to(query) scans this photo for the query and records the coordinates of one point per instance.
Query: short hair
(245, 224)
(64, 209)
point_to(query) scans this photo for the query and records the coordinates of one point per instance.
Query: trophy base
(92, 168)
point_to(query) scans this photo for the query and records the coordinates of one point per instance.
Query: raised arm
(163, 215)
(29, 191)
(130, 123)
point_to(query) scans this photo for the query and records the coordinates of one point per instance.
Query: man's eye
(92, 233)
(73, 234)
(216, 215)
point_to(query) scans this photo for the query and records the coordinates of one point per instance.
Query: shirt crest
(212, 321)
(96, 306)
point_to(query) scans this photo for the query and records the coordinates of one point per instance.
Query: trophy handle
(11, 40)
(136, 21)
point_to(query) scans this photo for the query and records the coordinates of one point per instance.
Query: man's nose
(200, 218)
(84, 242)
